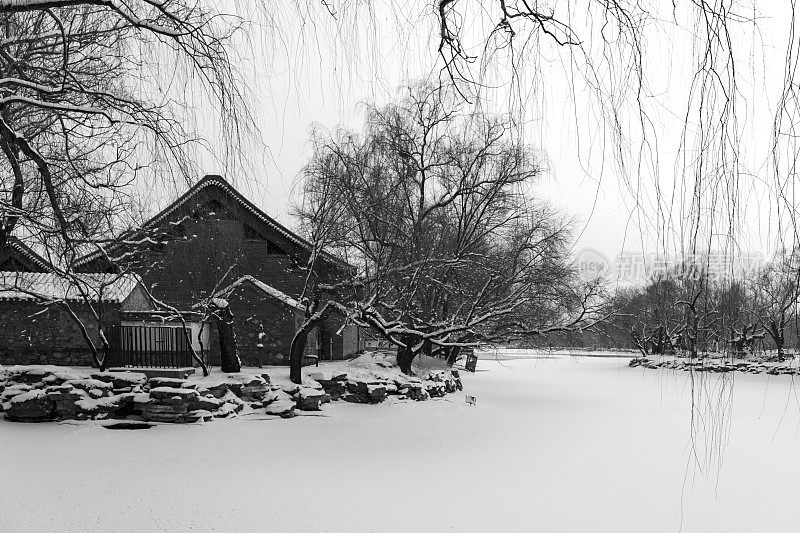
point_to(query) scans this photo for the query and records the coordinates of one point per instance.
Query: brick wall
(185, 270)
(252, 308)
(201, 252)
(33, 334)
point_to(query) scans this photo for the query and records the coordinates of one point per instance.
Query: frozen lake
(557, 444)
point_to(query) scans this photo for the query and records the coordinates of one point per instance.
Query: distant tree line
(688, 311)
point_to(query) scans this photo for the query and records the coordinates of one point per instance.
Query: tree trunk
(99, 362)
(778, 337)
(427, 347)
(229, 359)
(199, 360)
(299, 341)
(296, 354)
(405, 356)
(453, 354)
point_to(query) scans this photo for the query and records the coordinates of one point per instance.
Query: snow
(90, 404)
(554, 444)
(30, 395)
(268, 289)
(52, 286)
(370, 366)
(219, 302)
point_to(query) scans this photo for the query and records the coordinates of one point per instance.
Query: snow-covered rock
(120, 380)
(175, 383)
(310, 399)
(169, 393)
(31, 406)
(282, 408)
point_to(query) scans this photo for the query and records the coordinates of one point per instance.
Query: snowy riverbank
(569, 444)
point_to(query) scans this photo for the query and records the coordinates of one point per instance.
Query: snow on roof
(27, 252)
(220, 183)
(272, 291)
(51, 286)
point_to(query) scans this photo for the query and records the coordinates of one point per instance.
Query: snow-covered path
(572, 444)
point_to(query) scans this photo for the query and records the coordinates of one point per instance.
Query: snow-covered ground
(504, 354)
(560, 444)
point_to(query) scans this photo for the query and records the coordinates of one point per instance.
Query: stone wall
(31, 333)
(251, 309)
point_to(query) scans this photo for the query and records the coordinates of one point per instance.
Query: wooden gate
(149, 346)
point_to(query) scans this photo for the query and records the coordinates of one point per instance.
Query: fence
(149, 346)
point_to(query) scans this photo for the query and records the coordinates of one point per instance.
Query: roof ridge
(206, 181)
(54, 286)
(218, 180)
(17, 243)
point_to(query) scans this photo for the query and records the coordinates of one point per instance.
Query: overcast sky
(319, 76)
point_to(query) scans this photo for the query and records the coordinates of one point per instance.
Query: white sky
(297, 83)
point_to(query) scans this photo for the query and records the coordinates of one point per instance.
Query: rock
(352, 398)
(174, 383)
(13, 390)
(333, 387)
(197, 415)
(31, 406)
(309, 399)
(254, 391)
(101, 408)
(225, 410)
(414, 391)
(231, 399)
(57, 393)
(29, 374)
(275, 396)
(359, 390)
(66, 375)
(162, 393)
(290, 388)
(94, 387)
(160, 408)
(163, 417)
(234, 387)
(247, 386)
(67, 409)
(121, 380)
(435, 390)
(217, 391)
(204, 403)
(158, 412)
(377, 393)
(282, 408)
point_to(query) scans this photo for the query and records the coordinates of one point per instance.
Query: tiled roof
(220, 183)
(48, 286)
(24, 250)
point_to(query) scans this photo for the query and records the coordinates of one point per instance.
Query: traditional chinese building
(212, 242)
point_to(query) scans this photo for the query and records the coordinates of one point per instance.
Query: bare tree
(774, 294)
(434, 207)
(86, 108)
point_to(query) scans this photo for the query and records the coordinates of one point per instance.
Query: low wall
(31, 333)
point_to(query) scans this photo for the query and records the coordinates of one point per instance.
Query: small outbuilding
(46, 318)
